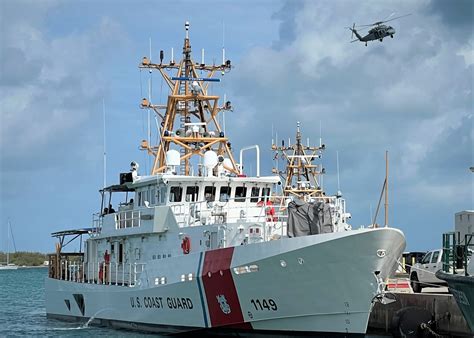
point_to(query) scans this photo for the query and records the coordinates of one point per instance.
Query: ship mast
(189, 121)
(302, 178)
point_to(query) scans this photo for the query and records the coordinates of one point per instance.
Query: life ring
(186, 245)
(269, 211)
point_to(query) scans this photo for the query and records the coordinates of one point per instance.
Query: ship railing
(259, 209)
(96, 224)
(72, 268)
(113, 273)
(62, 265)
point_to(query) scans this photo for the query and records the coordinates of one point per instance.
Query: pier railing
(71, 267)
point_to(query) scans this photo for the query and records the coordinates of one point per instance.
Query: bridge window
(240, 194)
(161, 198)
(192, 193)
(152, 196)
(224, 194)
(265, 194)
(210, 193)
(176, 194)
(254, 194)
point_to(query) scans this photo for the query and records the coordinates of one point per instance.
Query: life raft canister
(269, 211)
(186, 245)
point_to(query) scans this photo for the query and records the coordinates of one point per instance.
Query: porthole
(283, 263)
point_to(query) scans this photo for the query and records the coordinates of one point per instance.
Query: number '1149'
(264, 304)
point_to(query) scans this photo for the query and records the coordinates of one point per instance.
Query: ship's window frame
(146, 194)
(139, 199)
(162, 194)
(240, 193)
(210, 196)
(152, 195)
(176, 194)
(225, 192)
(266, 193)
(254, 194)
(434, 257)
(192, 193)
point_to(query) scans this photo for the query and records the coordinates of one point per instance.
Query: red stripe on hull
(222, 300)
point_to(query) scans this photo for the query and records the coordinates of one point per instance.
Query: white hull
(8, 267)
(326, 285)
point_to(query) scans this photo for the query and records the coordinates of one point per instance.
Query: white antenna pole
(223, 43)
(337, 165)
(202, 56)
(172, 55)
(320, 133)
(223, 114)
(149, 100)
(104, 141)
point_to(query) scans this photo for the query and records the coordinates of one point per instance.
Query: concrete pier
(443, 308)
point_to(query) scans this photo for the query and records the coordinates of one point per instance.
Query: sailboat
(8, 266)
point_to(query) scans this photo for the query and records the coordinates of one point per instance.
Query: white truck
(423, 274)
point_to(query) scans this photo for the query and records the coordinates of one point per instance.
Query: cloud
(458, 13)
(49, 85)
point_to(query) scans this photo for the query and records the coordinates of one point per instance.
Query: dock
(411, 309)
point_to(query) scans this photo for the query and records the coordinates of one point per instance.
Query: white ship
(197, 245)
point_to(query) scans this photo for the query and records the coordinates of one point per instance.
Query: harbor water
(22, 310)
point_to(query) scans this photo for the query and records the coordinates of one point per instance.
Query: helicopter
(378, 32)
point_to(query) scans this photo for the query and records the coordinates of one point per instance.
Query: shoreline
(30, 267)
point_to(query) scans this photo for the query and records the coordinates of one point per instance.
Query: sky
(61, 61)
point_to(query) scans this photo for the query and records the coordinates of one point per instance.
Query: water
(23, 313)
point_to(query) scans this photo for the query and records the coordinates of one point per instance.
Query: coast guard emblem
(223, 304)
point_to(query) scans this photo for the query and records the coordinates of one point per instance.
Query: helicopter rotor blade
(352, 30)
(398, 17)
(362, 26)
(383, 21)
(388, 17)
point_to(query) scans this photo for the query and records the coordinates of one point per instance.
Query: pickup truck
(423, 274)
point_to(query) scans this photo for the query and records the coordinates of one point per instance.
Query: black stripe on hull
(186, 330)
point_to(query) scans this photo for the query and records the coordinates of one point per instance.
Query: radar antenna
(302, 178)
(189, 119)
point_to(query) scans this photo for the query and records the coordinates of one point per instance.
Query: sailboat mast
(8, 243)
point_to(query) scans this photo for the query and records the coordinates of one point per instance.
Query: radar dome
(210, 159)
(172, 158)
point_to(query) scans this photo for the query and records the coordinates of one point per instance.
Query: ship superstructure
(199, 245)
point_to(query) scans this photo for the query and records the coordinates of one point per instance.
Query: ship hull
(321, 283)
(462, 288)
